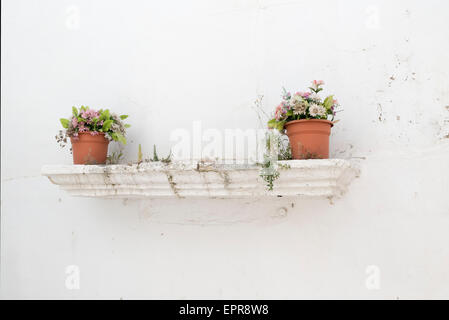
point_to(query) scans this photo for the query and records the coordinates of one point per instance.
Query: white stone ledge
(298, 178)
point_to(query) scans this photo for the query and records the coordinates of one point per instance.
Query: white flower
(295, 100)
(298, 104)
(300, 108)
(316, 110)
(315, 97)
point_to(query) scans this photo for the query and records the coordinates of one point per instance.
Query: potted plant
(90, 132)
(304, 117)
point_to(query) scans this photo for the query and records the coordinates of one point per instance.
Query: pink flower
(90, 114)
(317, 83)
(284, 105)
(94, 133)
(303, 94)
(74, 122)
(279, 112)
(82, 128)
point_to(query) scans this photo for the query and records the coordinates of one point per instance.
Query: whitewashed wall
(170, 63)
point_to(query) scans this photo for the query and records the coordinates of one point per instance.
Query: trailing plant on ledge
(269, 172)
(276, 148)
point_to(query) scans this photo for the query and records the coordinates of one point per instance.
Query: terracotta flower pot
(89, 149)
(309, 139)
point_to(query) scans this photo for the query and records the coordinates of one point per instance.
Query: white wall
(169, 63)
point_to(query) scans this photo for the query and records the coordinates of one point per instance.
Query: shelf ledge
(298, 178)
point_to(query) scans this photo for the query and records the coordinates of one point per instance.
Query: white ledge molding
(298, 178)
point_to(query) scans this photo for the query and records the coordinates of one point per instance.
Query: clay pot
(89, 149)
(309, 139)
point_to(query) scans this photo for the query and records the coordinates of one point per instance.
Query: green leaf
(328, 102)
(127, 126)
(272, 123)
(280, 125)
(123, 116)
(64, 122)
(105, 115)
(75, 111)
(139, 154)
(155, 157)
(120, 138)
(107, 125)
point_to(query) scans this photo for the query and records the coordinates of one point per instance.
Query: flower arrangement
(86, 120)
(303, 105)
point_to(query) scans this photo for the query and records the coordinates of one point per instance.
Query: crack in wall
(225, 176)
(210, 166)
(172, 184)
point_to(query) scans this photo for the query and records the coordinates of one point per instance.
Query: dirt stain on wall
(381, 117)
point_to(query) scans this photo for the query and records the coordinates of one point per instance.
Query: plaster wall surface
(173, 64)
